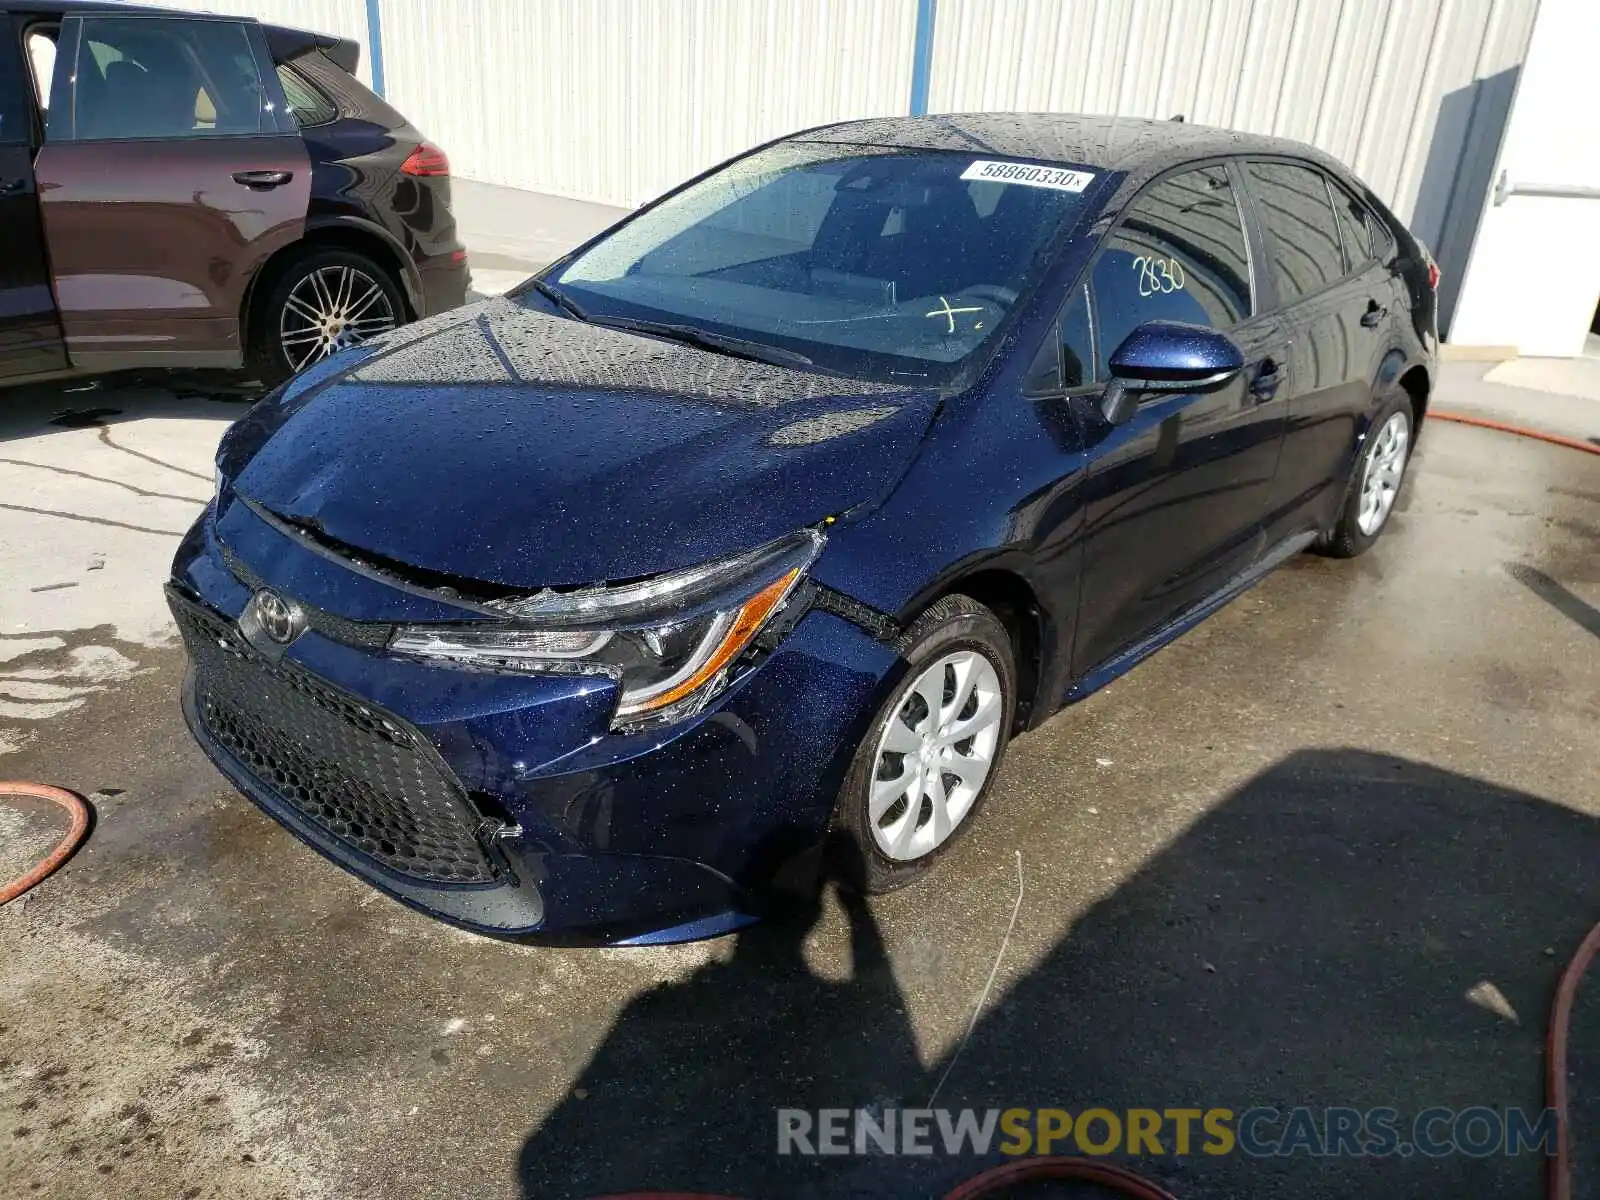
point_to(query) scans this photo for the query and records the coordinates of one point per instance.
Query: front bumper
(587, 835)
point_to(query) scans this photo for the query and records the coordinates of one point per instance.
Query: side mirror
(1164, 356)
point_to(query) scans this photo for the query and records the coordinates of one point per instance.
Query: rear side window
(1179, 255)
(163, 77)
(1302, 234)
(307, 105)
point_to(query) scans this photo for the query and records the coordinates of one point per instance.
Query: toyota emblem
(281, 619)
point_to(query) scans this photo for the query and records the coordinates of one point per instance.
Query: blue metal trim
(375, 43)
(921, 57)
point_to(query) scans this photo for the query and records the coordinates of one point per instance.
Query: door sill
(1125, 660)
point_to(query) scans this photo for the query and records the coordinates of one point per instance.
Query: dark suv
(179, 190)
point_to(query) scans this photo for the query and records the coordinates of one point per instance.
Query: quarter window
(1353, 229)
(307, 105)
(1302, 237)
(1179, 255)
(42, 64)
(163, 77)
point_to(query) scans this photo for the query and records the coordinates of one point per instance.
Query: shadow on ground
(105, 402)
(1315, 940)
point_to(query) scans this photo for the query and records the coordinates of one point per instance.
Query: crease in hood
(505, 445)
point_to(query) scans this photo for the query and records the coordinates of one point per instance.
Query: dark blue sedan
(765, 519)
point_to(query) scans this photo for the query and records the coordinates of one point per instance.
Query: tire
(959, 634)
(319, 277)
(1366, 511)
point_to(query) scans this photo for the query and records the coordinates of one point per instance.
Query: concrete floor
(1276, 864)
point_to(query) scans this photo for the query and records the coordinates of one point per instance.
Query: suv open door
(171, 170)
(30, 334)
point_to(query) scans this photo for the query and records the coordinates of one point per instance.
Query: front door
(30, 335)
(1175, 498)
(171, 170)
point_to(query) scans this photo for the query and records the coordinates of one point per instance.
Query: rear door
(1340, 309)
(1174, 500)
(30, 335)
(171, 170)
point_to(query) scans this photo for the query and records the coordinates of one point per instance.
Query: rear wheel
(1375, 483)
(932, 751)
(324, 301)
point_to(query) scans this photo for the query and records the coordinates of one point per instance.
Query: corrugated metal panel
(1408, 92)
(617, 100)
(342, 18)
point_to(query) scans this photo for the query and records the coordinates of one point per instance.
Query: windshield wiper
(722, 343)
(559, 298)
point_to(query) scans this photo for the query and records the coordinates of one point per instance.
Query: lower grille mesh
(359, 774)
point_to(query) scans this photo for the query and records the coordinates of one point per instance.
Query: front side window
(872, 261)
(163, 77)
(1302, 237)
(1179, 255)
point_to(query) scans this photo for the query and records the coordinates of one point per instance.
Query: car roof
(285, 41)
(63, 7)
(1138, 147)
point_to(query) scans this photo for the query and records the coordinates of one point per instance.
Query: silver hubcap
(1386, 464)
(935, 754)
(332, 309)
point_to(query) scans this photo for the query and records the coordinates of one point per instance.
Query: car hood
(517, 448)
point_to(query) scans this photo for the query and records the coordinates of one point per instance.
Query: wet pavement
(1331, 848)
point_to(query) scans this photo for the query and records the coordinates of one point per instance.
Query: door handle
(10, 187)
(1374, 314)
(263, 179)
(1265, 384)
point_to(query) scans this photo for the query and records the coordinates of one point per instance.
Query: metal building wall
(1413, 94)
(343, 18)
(617, 100)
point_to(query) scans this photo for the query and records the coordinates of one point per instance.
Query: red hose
(1559, 1179)
(1554, 439)
(76, 809)
(1089, 1170)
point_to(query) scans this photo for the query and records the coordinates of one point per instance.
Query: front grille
(358, 773)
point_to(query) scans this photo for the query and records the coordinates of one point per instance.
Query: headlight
(670, 640)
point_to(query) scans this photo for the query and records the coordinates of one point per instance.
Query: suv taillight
(1433, 267)
(426, 159)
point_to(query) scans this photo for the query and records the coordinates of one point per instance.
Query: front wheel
(323, 302)
(933, 748)
(1375, 483)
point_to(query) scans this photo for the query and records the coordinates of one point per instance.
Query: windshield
(886, 264)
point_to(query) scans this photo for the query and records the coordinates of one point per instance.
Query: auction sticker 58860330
(1062, 179)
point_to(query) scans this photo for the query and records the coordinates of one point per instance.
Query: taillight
(1433, 267)
(426, 159)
